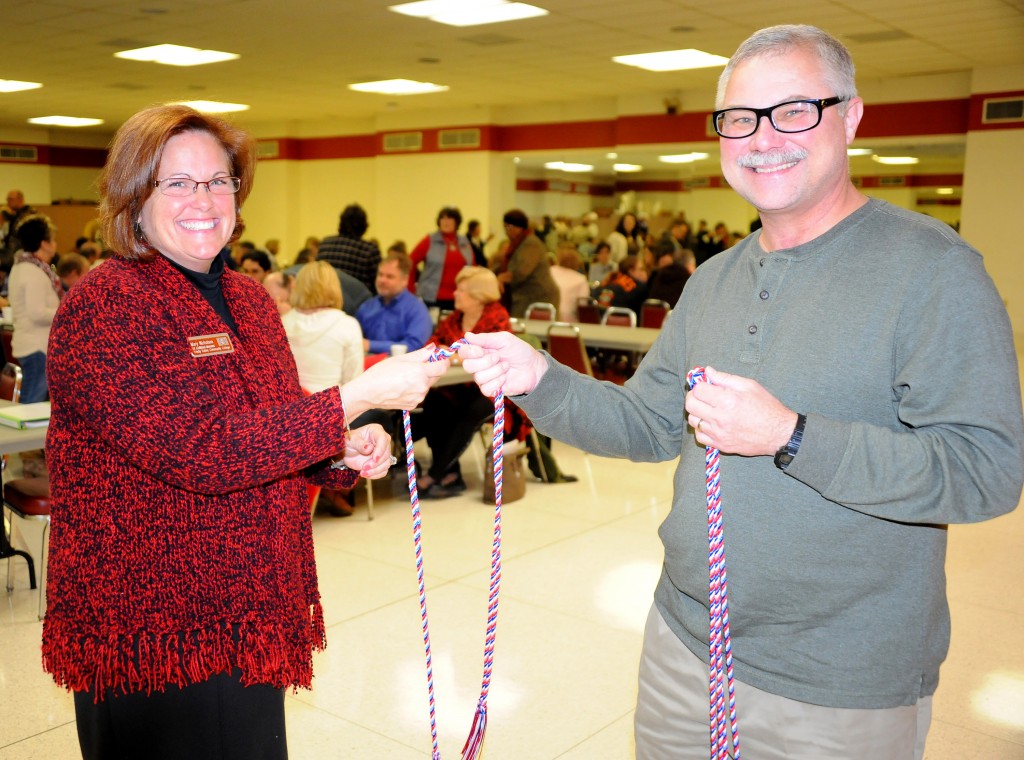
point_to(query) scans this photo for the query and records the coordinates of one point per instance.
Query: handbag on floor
(513, 480)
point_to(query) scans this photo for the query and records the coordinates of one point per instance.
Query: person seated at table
(326, 342)
(394, 317)
(670, 275)
(255, 265)
(279, 285)
(600, 263)
(71, 267)
(328, 348)
(626, 287)
(452, 414)
(572, 283)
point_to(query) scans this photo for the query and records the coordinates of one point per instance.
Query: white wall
(993, 202)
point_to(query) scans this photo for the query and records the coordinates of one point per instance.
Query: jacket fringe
(271, 654)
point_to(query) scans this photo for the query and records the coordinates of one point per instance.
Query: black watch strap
(786, 454)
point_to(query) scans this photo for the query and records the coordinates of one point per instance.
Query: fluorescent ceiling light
(64, 121)
(175, 55)
(628, 167)
(895, 160)
(944, 191)
(683, 158)
(611, 155)
(13, 85)
(398, 87)
(468, 12)
(859, 151)
(672, 60)
(213, 106)
(570, 167)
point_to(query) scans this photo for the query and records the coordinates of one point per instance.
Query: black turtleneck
(210, 288)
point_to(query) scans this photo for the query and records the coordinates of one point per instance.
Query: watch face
(782, 459)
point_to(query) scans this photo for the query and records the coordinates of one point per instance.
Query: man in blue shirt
(394, 316)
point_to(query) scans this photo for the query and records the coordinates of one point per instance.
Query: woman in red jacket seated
(182, 595)
(452, 414)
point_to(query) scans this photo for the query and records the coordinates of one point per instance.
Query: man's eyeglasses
(791, 116)
(179, 187)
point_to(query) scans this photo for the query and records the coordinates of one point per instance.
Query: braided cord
(474, 742)
(720, 669)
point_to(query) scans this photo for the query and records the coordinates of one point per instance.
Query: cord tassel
(475, 741)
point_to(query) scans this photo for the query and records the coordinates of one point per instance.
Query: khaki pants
(671, 721)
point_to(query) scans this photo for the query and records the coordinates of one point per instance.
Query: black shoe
(456, 486)
(434, 491)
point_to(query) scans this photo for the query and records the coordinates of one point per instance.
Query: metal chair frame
(619, 315)
(542, 310)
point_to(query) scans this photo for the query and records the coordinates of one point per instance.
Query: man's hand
(500, 361)
(737, 415)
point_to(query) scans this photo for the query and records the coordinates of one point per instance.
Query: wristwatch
(786, 454)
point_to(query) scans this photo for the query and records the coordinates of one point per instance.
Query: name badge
(210, 345)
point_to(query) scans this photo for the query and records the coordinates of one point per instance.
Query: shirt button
(752, 329)
(761, 262)
(764, 295)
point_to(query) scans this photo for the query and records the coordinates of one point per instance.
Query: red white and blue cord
(720, 673)
(474, 742)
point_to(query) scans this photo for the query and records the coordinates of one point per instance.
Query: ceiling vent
(887, 35)
(1002, 110)
(455, 139)
(403, 142)
(27, 153)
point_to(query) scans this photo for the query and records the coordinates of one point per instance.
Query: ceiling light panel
(176, 55)
(469, 12)
(672, 60)
(64, 121)
(683, 158)
(13, 85)
(896, 160)
(398, 87)
(213, 106)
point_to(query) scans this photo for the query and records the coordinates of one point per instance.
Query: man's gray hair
(777, 40)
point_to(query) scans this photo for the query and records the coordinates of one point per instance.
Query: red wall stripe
(926, 117)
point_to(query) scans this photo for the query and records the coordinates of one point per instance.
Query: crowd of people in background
(383, 304)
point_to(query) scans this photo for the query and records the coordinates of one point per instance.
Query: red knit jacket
(181, 543)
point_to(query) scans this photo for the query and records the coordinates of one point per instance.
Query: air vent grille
(27, 153)
(399, 142)
(454, 139)
(268, 149)
(1002, 110)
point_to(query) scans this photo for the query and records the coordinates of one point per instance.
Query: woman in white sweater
(34, 291)
(326, 342)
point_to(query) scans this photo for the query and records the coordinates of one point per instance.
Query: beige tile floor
(580, 562)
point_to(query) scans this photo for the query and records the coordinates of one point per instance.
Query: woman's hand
(500, 361)
(368, 451)
(399, 382)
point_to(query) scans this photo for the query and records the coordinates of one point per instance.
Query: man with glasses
(863, 394)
